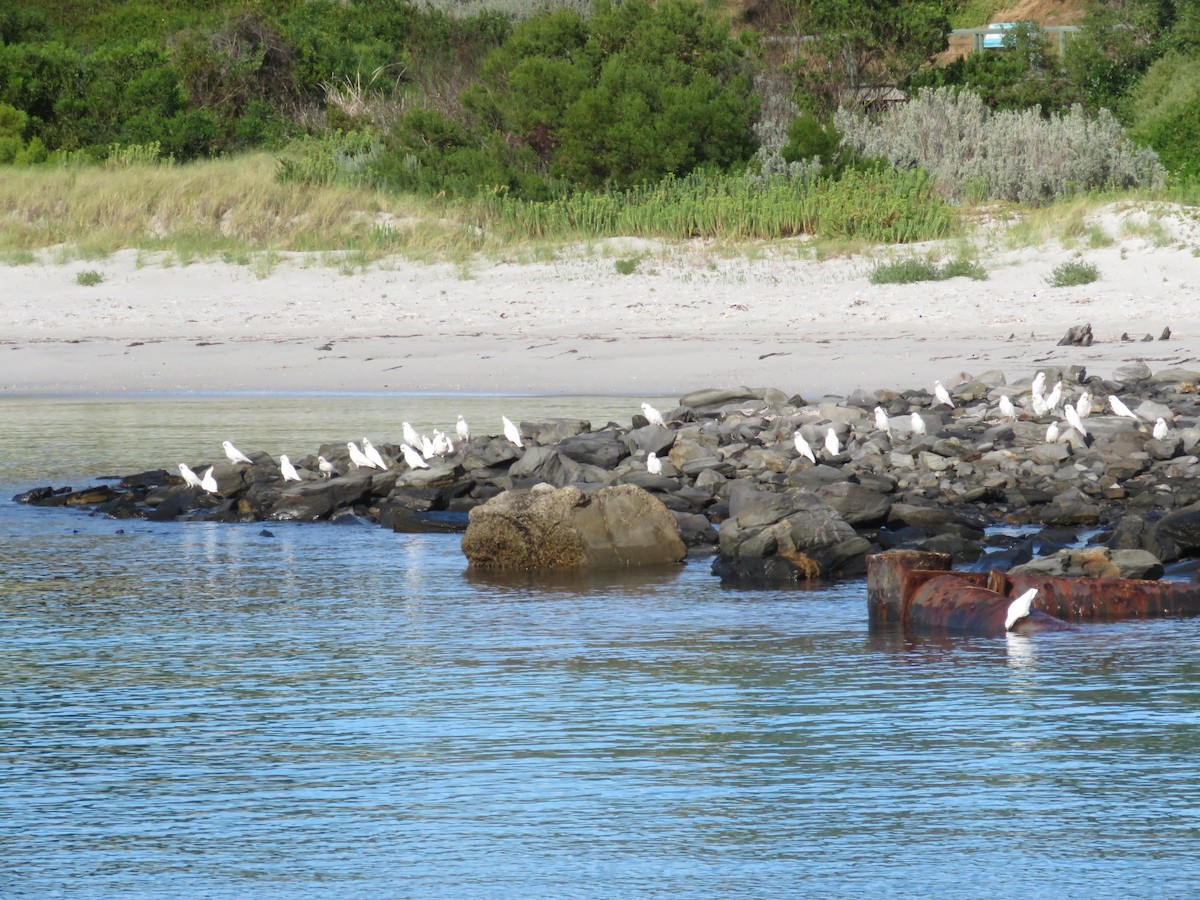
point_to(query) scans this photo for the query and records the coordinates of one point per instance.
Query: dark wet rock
(1070, 507)
(785, 536)
(319, 499)
(1077, 336)
(552, 431)
(39, 496)
(604, 449)
(546, 465)
(1176, 534)
(649, 439)
(486, 454)
(544, 528)
(695, 530)
(856, 504)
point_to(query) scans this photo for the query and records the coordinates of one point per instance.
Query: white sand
(686, 318)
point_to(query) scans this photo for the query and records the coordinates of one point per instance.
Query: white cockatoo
(653, 416)
(413, 458)
(804, 448)
(1120, 408)
(190, 478)
(832, 445)
(653, 463)
(235, 455)
(511, 431)
(287, 469)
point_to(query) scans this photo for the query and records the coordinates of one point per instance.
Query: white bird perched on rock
(358, 459)
(1054, 397)
(653, 463)
(1038, 388)
(941, 395)
(1083, 405)
(1120, 408)
(410, 435)
(287, 469)
(373, 455)
(463, 429)
(1007, 410)
(882, 422)
(1038, 402)
(442, 445)
(1052, 433)
(1073, 419)
(653, 416)
(512, 432)
(1160, 429)
(209, 481)
(832, 445)
(918, 424)
(804, 448)
(326, 467)
(413, 458)
(427, 449)
(235, 455)
(1019, 609)
(190, 478)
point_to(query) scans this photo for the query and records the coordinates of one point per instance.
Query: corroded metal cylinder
(888, 577)
(1108, 599)
(949, 604)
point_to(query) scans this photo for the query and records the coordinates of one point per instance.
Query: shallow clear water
(335, 710)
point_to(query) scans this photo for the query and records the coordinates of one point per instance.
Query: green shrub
(637, 92)
(1073, 273)
(912, 270)
(1007, 155)
(90, 278)
(1025, 74)
(626, 266)
(1164, 112)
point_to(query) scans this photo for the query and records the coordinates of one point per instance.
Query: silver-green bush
(975, 154)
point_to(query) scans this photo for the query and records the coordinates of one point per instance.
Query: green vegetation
(450, 127)
(90, 278)
(626, 266)
(1072, 273)
(912, 270)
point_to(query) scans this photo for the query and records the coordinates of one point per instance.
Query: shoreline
(686, 318)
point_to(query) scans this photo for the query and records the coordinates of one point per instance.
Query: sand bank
(686, 317)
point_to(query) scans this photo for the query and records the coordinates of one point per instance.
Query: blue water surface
(206, 710)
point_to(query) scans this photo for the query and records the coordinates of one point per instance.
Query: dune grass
(229, 208)
(235, 210)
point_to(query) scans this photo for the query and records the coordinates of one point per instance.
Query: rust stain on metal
(918, 591)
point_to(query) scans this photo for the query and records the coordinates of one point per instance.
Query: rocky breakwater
(800, 488)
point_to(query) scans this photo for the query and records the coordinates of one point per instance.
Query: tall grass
(210, 208)
(885, 207)
(233, 207)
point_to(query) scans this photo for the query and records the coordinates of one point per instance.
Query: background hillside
(455, 97)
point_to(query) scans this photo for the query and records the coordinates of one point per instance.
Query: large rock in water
(783, 537)
(548, 528)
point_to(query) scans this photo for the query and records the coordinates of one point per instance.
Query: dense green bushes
(635, 93)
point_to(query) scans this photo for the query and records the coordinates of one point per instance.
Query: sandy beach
(687, 317)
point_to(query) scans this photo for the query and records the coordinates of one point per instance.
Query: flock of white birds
(418, 448)
(1039, 404)
(415, 451)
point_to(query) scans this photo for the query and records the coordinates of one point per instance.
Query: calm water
(197, 709)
